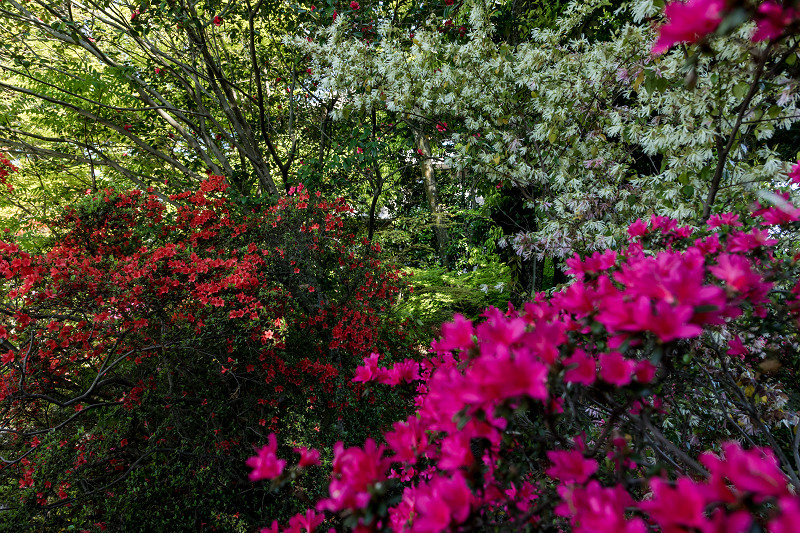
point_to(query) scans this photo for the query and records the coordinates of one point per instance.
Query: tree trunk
(439, 228)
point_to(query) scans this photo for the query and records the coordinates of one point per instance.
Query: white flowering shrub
(593, 133)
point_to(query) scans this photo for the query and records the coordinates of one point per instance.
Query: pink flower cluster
(402, 372)
(719, 503)
(599, 333)
(355, 473)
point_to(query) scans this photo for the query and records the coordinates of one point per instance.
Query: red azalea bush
(6, 167)
(148, 350)
(586, 410)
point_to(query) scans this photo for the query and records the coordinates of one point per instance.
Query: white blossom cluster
(598, 133)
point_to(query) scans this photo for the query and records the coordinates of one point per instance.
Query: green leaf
(740, 89)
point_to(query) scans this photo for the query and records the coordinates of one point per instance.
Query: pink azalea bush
(555, 413)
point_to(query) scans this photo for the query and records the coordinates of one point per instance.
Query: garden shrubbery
(149, 350)
(588, 409)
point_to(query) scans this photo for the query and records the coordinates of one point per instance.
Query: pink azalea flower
(369, 371)
(638, 228)
(745, 242)
(665, 224)
(735, 271)
(794, 175)
(737, 522)
(308, 457)
(355, 470)
(615, 369)
(570, 466)
(456, 335)
(456, 452)
(440, 503)
(645, 371)
(524, 496)
(543, 342)
(724, 219)
(777, 215)
(403, 372)
(755, 470)
(597, 262)
(671, 322)
(737, 348)
(789, 516)
(401, 514)
(274, 528)
(595, 509)
(584, 371)
(408, 440)
(308, 522)
(498, 333)
(771, 20)
(688, 22)
(354, 5)
(708, 246)
(576, 298)
(266, 464)
(505, 378)
(680, 506)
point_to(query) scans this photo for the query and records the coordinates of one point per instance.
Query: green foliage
(438, 293)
